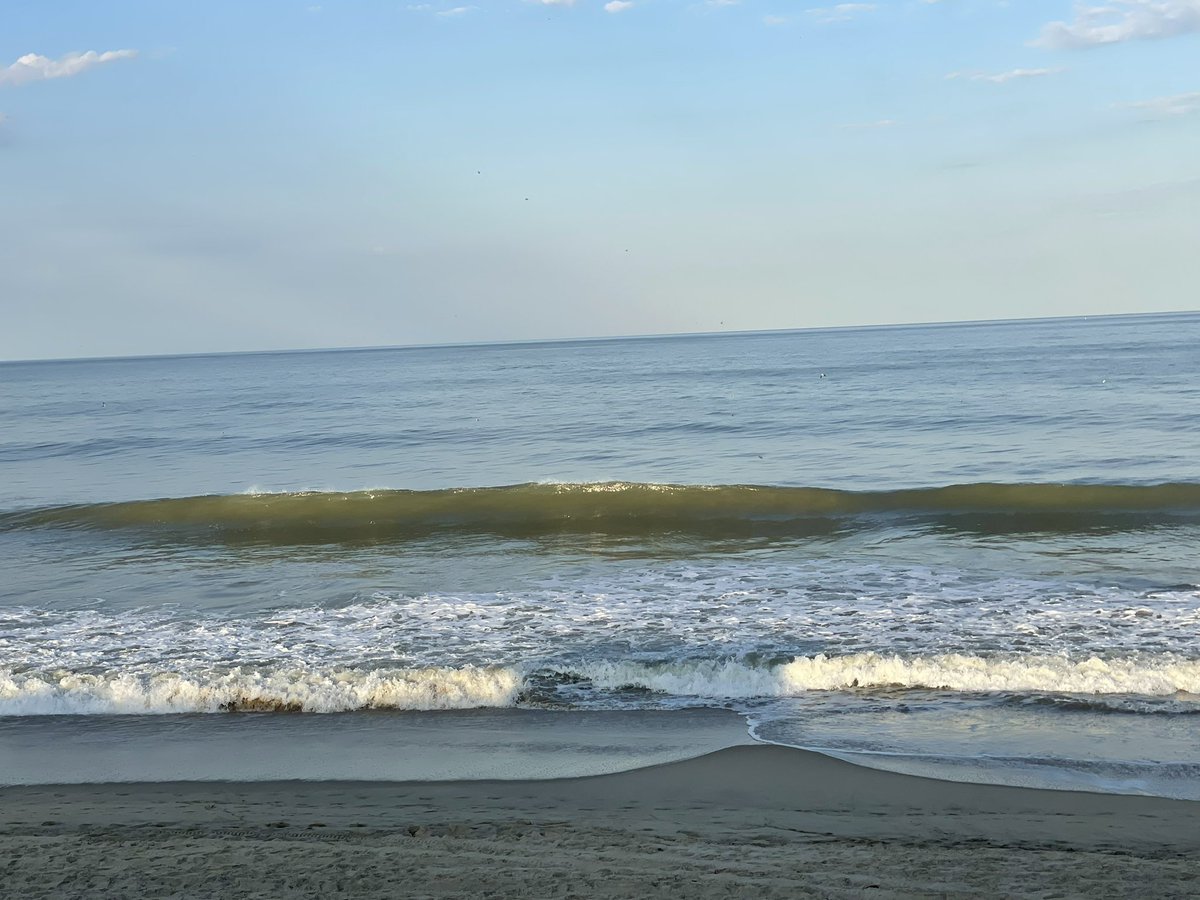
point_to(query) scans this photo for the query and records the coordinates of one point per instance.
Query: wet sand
(756, 821)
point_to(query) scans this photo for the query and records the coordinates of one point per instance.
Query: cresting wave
(624, 508)
(1153, 676)
(67, 693)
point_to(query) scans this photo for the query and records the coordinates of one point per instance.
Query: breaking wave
(624, 508)
(308, 690)
(1153, 676)
(1159, 676)
(66, 693)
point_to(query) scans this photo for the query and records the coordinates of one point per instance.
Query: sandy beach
(756, 821)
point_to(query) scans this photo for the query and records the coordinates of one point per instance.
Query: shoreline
(372, 745)
(482, 744)
(757, 820)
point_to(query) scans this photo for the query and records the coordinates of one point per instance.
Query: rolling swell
(628, 509)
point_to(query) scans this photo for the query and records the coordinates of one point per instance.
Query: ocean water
(967, 550)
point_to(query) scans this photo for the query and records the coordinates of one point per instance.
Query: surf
(315, 689)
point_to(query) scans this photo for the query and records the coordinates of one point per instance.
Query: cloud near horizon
(1120, 21)
(34, 67)
(1177, 105)
(1002, 77)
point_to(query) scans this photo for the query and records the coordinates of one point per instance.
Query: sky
(229, 175)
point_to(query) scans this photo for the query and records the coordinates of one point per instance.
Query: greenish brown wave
(624, 508)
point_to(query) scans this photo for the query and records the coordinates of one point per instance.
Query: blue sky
(232, 175)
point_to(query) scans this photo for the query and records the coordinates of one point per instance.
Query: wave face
(626, 508)
(245, 689)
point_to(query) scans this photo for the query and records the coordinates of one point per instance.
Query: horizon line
(519, 342)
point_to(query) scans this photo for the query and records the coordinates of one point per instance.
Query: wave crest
(708, 679)
(343, 690)
(66, 693)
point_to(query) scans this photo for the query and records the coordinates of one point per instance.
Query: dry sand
(755, 821)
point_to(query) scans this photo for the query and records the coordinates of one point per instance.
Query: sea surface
(964, 550)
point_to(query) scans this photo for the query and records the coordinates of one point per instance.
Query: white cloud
(616, 6)
(1003, 77)
(1121, 20)
(456, 11)
(842, 12)
(32, 67)
(554, 2)
(1162, 107)
(860, 126)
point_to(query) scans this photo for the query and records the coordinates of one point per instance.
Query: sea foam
(65, 693)
(341, 690)
(715, 679)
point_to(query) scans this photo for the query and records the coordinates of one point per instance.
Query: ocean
(968, 551)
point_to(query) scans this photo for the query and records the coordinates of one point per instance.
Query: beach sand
(749, 821)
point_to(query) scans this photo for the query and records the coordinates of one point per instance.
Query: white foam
(65, 693)
(129, 692)
(922, 628)
(704, 608)
(1153, 676)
